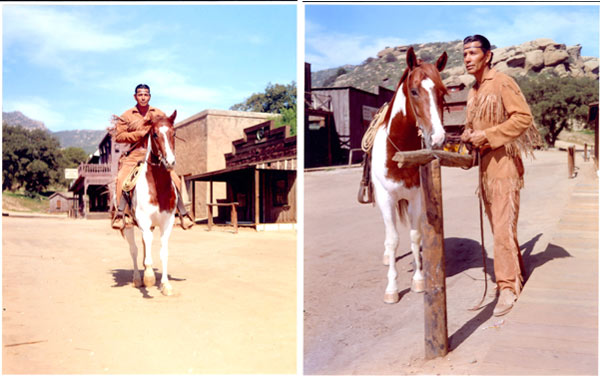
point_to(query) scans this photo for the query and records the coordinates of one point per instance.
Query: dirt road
(349, 330)
(69, 305)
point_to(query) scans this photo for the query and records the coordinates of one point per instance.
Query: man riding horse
(130, 129)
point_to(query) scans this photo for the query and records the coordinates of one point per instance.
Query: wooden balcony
(92, 174)
(93, 169)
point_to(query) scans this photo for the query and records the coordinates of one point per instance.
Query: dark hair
(485, 44)
(142, 86)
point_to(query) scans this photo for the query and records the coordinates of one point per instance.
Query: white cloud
(328, 50)
(561, 23)
(63, 31)
(36, 108)
(61, 38)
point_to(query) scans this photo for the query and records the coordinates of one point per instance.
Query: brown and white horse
(414, 119)
(153, 200)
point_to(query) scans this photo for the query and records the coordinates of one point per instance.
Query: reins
(483, 253)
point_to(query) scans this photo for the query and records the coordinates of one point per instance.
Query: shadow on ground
(464, 254)
(124, 277)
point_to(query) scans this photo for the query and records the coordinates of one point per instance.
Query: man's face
(142, 97)
(474, 58)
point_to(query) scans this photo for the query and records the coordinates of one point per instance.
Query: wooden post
(434, 265)
(210, 216)
(194, 199)
(585, 153)
(571, 161)
(256, 197)
(234, 219)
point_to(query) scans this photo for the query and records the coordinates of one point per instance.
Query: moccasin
(506, 300)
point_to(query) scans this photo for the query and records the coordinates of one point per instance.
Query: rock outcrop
(542, 55)
(539, 56)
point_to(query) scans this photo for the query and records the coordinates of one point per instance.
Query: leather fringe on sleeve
(489, 109)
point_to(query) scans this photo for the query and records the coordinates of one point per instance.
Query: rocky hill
(88, 140)
(533, 57)
(17, 118)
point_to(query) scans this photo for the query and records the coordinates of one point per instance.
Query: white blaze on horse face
(170, 155)
(438, 133)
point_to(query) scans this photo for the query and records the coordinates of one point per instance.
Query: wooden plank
(420, 157)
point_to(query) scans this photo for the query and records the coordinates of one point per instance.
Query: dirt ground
(348, 329)
(69, 305)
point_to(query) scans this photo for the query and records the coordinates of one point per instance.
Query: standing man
(500, 125)
(130, 129)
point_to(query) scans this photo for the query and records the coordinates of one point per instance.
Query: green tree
(72, 157)
(30, 158)
(274, 99)
(69, 157)
(288, 117)
(557, 102)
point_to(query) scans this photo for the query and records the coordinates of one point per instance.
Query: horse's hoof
(166, 290)
(391, 297)
(149, 278)
(418, 285)
(137, 283)
(386, 260)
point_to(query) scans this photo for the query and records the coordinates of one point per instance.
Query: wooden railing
(88, 169)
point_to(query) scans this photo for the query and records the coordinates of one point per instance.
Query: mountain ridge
(86, 139)
(538, 56)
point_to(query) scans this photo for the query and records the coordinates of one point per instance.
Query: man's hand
(466, 135)
(478, 138)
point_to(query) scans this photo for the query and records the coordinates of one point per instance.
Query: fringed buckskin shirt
(130, 127)
(497, 107)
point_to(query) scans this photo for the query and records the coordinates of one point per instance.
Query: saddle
(365, 189)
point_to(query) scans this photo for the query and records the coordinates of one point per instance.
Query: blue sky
(72, 67)
(349, 34)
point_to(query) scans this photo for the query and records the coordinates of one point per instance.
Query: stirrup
(121, 224)
(182, 222)
(365, 194)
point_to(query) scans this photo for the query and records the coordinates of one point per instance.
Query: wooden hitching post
(571, 156)
(434, 264)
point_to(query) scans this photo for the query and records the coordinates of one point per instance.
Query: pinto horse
(153, 200)
(415, 119)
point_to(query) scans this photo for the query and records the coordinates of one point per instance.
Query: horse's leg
(129, 235)
(415, 213)
(165, 285)
(388, 206)
(149, 277)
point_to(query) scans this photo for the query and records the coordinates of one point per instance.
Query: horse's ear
(411, 58)
(441, 62)
(173, 116)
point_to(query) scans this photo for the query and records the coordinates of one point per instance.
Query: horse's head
(162, 139)
(425, 92)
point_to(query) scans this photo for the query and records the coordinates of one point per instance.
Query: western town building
(94, 186)
(61, 202)
(259, 178)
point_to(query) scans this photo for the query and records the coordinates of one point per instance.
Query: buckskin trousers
(501, 200)
(127, 163)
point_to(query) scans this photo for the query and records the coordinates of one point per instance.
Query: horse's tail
(403, 210)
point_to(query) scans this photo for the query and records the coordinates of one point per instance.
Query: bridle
(412, 108)
(156, 156)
